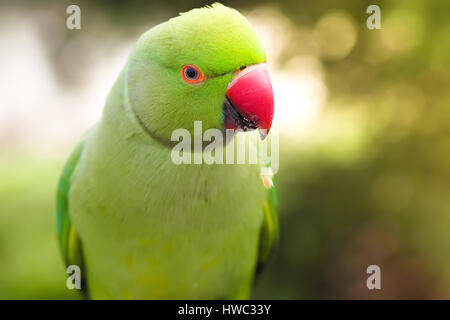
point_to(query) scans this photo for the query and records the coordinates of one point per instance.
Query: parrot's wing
(269, 230)
(69, 242)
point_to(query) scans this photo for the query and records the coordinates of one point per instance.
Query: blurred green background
(364, 122)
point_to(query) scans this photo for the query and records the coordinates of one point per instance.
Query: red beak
(251, 94)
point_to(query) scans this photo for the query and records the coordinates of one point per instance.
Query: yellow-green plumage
(145, 227)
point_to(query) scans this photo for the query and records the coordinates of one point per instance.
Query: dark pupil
(191, 73)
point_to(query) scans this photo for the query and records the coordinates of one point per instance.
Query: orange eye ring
(192, 74)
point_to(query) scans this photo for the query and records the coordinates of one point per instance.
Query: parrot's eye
(191, 74)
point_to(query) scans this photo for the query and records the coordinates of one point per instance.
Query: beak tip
(263, 133)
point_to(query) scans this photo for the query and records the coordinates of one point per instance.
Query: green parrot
(140, 226)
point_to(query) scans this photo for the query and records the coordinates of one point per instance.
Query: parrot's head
(205, 65)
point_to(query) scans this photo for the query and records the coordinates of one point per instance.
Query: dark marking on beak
(232, 116)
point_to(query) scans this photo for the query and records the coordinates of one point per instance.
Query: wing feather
(269, 230)
(69, 242)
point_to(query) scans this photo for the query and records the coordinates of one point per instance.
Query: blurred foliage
(371, 186)
(30, 266)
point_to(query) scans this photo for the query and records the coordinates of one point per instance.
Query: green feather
(269, 230)
(69, 242)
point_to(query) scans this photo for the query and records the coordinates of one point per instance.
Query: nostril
(242, 68)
